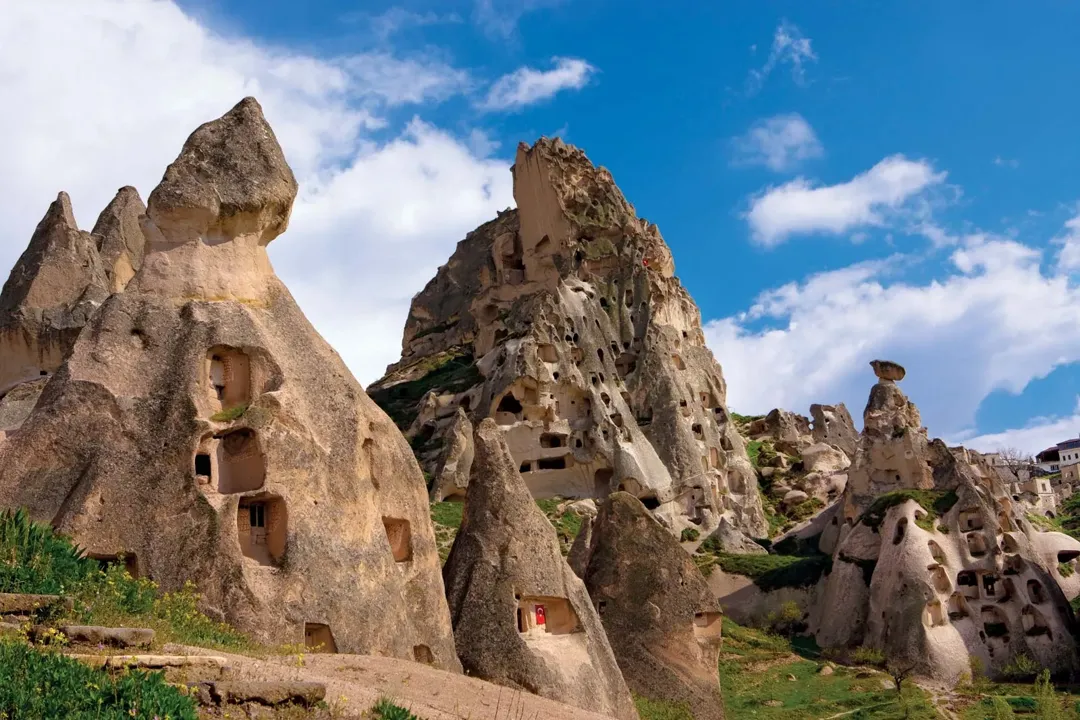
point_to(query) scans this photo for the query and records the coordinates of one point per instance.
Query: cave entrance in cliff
(319, 638)
(399, 534)
(940, 578)
(422, 654)
(995, 624)
(707, 625)
(936, 552)
(957, 607)
(989, 583)
(935, 616)
(509, 410)
(126, 560)
(552, 615)
(968, 582)
(901, 528)
(970, 519)
(976, 544)
(1035, 592)
(241, 463)
(1034, 622)
(262, 527)
(602, 482)
(228, 377)
(1005, 522)
(548, 353)
(552, 440)
(1067, 556)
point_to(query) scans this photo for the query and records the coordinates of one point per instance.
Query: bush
(1066, 569)
(46, 685)
(386, 710)
(33, 559)
(934, 502)
(868, 656)
(689, 535)
(1021, 669)
(786, 621)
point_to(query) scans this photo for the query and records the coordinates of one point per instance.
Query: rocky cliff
(563, 321)
(200, 426)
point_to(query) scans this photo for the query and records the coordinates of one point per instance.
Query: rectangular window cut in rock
(241, 463)
(319, 638)
(551, 615)
(203, 467)
(261, 525)
(707, 626)
(228, 377)
(399, 533)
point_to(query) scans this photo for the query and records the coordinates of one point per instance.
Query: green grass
(33, 559)
(452, 371)
(935, 502)
(446, 517)
(661, 710)
(37, 684)
(387, 710)
(229, 414)
(567, 524)
(754, 677)
(769, 572)
(753, 449)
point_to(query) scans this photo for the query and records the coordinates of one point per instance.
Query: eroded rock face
(659, 613)
(521, 617)
(119, 238)
(563, 322)
(55, 287)
(833, 425)
(937, 577)
(222, 441)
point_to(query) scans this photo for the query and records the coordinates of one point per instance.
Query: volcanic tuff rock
(563, 321)
(660, 616)
(521, 617)
(201, 427)
(933, 562)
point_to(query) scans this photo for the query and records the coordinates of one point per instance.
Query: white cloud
(108, 90)
(994, 321)
(526, 85)
(779, 143)
(1033, 437)
(1005, 162)
(1069, 240)
(789, 47)
(499, 18)
(866, 200)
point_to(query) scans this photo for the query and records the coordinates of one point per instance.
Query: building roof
(1048, 455)
(1069, 444)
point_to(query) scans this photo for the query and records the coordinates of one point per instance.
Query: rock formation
(119, 238)
(933, 562)
(660, 616)
(563, 321)
(521, 618)
(201, 427)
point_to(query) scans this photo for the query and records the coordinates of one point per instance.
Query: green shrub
(1066, 569)
(34, 559)
(1001, 707)
(44, 685)
(934, 502)
(786, 621)
(868, 656)
(386, 710)
(753, 449)
(229, 414)
(772, 572)
(689, 535)
(1021, 669)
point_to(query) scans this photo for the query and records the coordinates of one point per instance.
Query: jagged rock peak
(518, 610)
(56, 284)
(888, 370)
(119, 238)
(230, 179)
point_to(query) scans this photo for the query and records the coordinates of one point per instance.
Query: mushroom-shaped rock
(226, 443)
(56, 285)
(521, 617)
(227, 195)
(119, 237)
(888, 370)
(660, 616)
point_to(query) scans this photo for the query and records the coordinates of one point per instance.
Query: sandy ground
(356, 682)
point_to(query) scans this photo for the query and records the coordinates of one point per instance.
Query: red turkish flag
(541, 615)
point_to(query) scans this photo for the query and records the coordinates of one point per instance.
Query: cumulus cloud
(789, 47)
(1069, 256)
(993, 321)
(526, 86)
(779, 143)
(108, 90)
(1036, 435)
(867, 200)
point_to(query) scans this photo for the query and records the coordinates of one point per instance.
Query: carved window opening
(558, 463)
(261, 525)
(602, 482)
(707, 626)
(1035, 592)
(976, 544)
(901, 528)
(552, 440)
(399, 534)
(422, 653)
(678, 361)
(957, 607)
(550, 615)
(241, 463)
(319, 638)
(203, 466)
(935, 615)
(228, 378)
(970, 520)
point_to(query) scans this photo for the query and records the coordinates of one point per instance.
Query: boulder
(521, 617)
(660, 616)
(11, 603)
(203, 429)
(822, 458)
(274, 692)
(794, 497)
(562, 320)
(728, 538)
(888, 370)
(115, 637)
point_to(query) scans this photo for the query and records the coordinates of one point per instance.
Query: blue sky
(837, 181)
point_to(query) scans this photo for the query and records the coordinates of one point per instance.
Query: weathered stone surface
(789, 432)
(730, 539)
(17, 603)
(563, 321)
(57, 284)
(833, 425)
(578, 557)
(116, 637)
(962, 575)
(119, 238)
(279, 692)
(455, 459)
(887, 370)
(203, 428)
(659, 613)
(505, 564)
(826, 459)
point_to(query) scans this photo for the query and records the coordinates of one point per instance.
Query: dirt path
(356, 682)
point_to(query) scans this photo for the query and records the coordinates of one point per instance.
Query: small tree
(1015, 459)
(1047, 701)
(1001, 707)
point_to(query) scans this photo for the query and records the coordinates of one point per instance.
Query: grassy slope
(446, 517)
